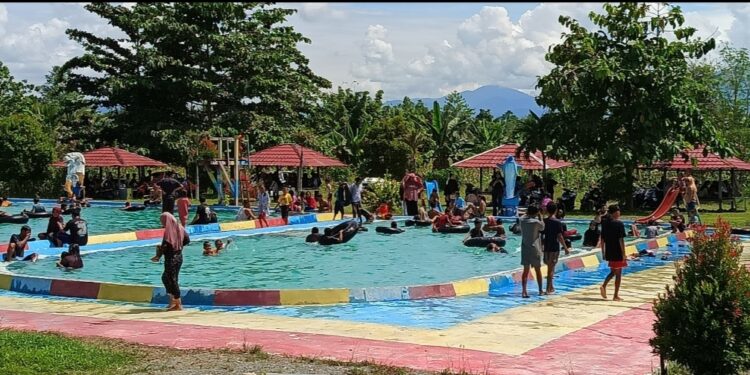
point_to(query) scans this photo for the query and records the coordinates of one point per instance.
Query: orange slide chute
(663, 208)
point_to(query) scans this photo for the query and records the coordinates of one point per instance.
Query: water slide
(663, 208)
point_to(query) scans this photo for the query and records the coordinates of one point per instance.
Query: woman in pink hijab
(175, 238)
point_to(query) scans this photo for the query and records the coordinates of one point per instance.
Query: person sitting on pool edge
(77, 228)
(71, 259)
(203, 214)
(18, 244)
(591, 236)
(677, 221)
(314, 235)
(384, 212)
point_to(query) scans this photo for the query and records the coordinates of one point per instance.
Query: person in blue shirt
(37, 208)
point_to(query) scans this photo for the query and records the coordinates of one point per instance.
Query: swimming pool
(285, 261)
(101, 220)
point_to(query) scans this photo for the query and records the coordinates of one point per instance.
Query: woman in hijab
(175, 238)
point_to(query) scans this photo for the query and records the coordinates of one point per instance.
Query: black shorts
(284, 211)
(167, 204)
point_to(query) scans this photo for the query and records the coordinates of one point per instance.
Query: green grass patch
(49, 353)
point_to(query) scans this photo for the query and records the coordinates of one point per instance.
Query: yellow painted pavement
(513, 331)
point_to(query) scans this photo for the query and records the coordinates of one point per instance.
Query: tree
(15, 96)
(447, 127)
(194, 66)
(79, 126)
(385, 147)
(344, 117)
(27, 149)
(623, 93)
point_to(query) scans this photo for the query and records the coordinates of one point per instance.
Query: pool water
(101, 220)
(285, 261)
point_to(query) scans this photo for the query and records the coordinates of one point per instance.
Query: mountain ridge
(497, 99)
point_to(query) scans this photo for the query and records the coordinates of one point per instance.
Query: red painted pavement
(617, 345)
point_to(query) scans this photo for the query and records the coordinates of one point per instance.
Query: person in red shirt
(183, 206)
(310, 203)
(383, 212)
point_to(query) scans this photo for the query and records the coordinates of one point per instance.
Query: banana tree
(445, 129)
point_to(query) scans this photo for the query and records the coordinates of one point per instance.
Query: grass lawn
(28, 352)
(42, 353)
(708, 213)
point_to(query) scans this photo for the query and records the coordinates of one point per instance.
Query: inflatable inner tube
(743, 231)
(37, 215)
(350, 228)
(389, 230)
(458, 229)
(418, 223)
(134, 208)
(484, 241)
(574, 237)
(15, 219)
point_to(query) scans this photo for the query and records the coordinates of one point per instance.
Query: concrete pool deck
(575, 332)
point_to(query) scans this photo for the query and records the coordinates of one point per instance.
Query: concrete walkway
(576, 332)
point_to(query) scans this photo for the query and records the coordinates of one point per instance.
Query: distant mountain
(497, 99)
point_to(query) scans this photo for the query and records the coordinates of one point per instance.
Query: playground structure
(228, 170)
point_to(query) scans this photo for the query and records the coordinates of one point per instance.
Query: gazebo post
(481, 170)
(721, 209)
(299, 171)
(197, 181)
(732, 180)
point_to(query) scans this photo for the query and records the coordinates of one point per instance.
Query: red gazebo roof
(491, 158)
(115, 157)
(710, 162)
(291, 155)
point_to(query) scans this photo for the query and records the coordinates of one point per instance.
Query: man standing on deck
(691, 199)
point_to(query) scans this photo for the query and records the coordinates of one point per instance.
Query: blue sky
(415, 49)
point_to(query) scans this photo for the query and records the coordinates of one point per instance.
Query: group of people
(543, 238)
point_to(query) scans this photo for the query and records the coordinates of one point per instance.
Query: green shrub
(385, 191)
(703, 321)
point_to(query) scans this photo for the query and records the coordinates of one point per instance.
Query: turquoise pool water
(280, 261)
(101, 220)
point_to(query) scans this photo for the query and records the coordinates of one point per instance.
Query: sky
(405, 49)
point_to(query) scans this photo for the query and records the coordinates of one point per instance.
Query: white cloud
(313, 12)
(402, 49)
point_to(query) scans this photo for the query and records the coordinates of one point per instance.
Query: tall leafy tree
(448, 128)
(14, 95)
(344, 117)
(194, 66)
(623, 93)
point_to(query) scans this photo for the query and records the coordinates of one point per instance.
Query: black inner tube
(350, 228)
(16, 219)
(484, 241)
(389, 230)
(455, 229)
(36, 215)
(419, 223)
(134, 208)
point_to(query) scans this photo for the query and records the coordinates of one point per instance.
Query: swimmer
(314, 235)
(494, 248)
(207, 250)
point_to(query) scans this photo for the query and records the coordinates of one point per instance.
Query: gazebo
(114, 157)
(700, 159)
(293, 155)
(491, 158)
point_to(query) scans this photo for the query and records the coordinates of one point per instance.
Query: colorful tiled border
(238, 297)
